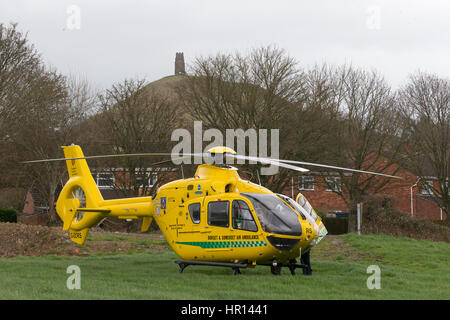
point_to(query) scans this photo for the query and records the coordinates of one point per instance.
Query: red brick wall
(33, 219)
(401, 193)
(427, 210)
(320, 198)
(400, 190)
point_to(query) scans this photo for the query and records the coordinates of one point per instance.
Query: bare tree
(47, 116)
(134, 118)
(19, 62)
(256, 91)
(425, 103)
(40, 110)
(315, 115)
(367, 138)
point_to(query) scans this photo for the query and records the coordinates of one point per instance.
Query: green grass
(412, 254)
(410, 269)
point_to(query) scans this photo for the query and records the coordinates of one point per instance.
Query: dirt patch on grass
(29, 240)
(334, 248)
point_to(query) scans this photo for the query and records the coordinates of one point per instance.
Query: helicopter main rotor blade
(268, 160)
(276, 162)
(339, 168)
(288, 166)
(123, 155)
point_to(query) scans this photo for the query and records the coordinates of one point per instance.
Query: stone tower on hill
(179, 64)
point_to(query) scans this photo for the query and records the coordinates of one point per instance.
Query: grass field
(410, 269)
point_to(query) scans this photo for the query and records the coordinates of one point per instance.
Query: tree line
(336, 115)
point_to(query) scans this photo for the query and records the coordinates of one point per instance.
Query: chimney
(179, 64)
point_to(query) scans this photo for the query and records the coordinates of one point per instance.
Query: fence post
(358, 216)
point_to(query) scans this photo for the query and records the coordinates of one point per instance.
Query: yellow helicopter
(214, 218)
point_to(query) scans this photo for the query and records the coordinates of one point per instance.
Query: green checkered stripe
(225, 244)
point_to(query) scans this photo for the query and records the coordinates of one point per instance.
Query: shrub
(440, 222)
(12, 198)
(380, 216)
(8, 215)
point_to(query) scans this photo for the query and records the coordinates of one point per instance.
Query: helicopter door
(219, 214)
(218, 233)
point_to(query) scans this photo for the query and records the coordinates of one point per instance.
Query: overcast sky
(107, 41)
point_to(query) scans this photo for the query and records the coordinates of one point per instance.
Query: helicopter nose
(283, 244)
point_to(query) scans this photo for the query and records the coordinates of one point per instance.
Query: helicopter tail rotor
(78, 203)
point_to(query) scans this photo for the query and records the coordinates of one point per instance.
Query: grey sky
(123, 39)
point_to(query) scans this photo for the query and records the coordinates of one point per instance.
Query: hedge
(8, 215)
(335, 225)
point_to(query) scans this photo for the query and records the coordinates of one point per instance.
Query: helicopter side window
(242, 217)
(194, 211)
(218, 214)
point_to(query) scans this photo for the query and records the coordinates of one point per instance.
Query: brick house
(410, 195)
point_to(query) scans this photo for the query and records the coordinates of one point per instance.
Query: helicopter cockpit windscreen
(292, 203)
(301, 210)
(274, 215)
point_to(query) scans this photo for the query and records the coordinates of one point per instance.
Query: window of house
(218, 213)
(104, 180)
(306, 183)
(150, 179)
(426, 187)
(242, 217)
(194, 211)
(333, 184)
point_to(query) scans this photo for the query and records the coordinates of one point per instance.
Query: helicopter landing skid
(292, 268)
(276, 270)
(235, 266)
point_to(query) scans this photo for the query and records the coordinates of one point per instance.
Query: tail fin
(78, 202)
